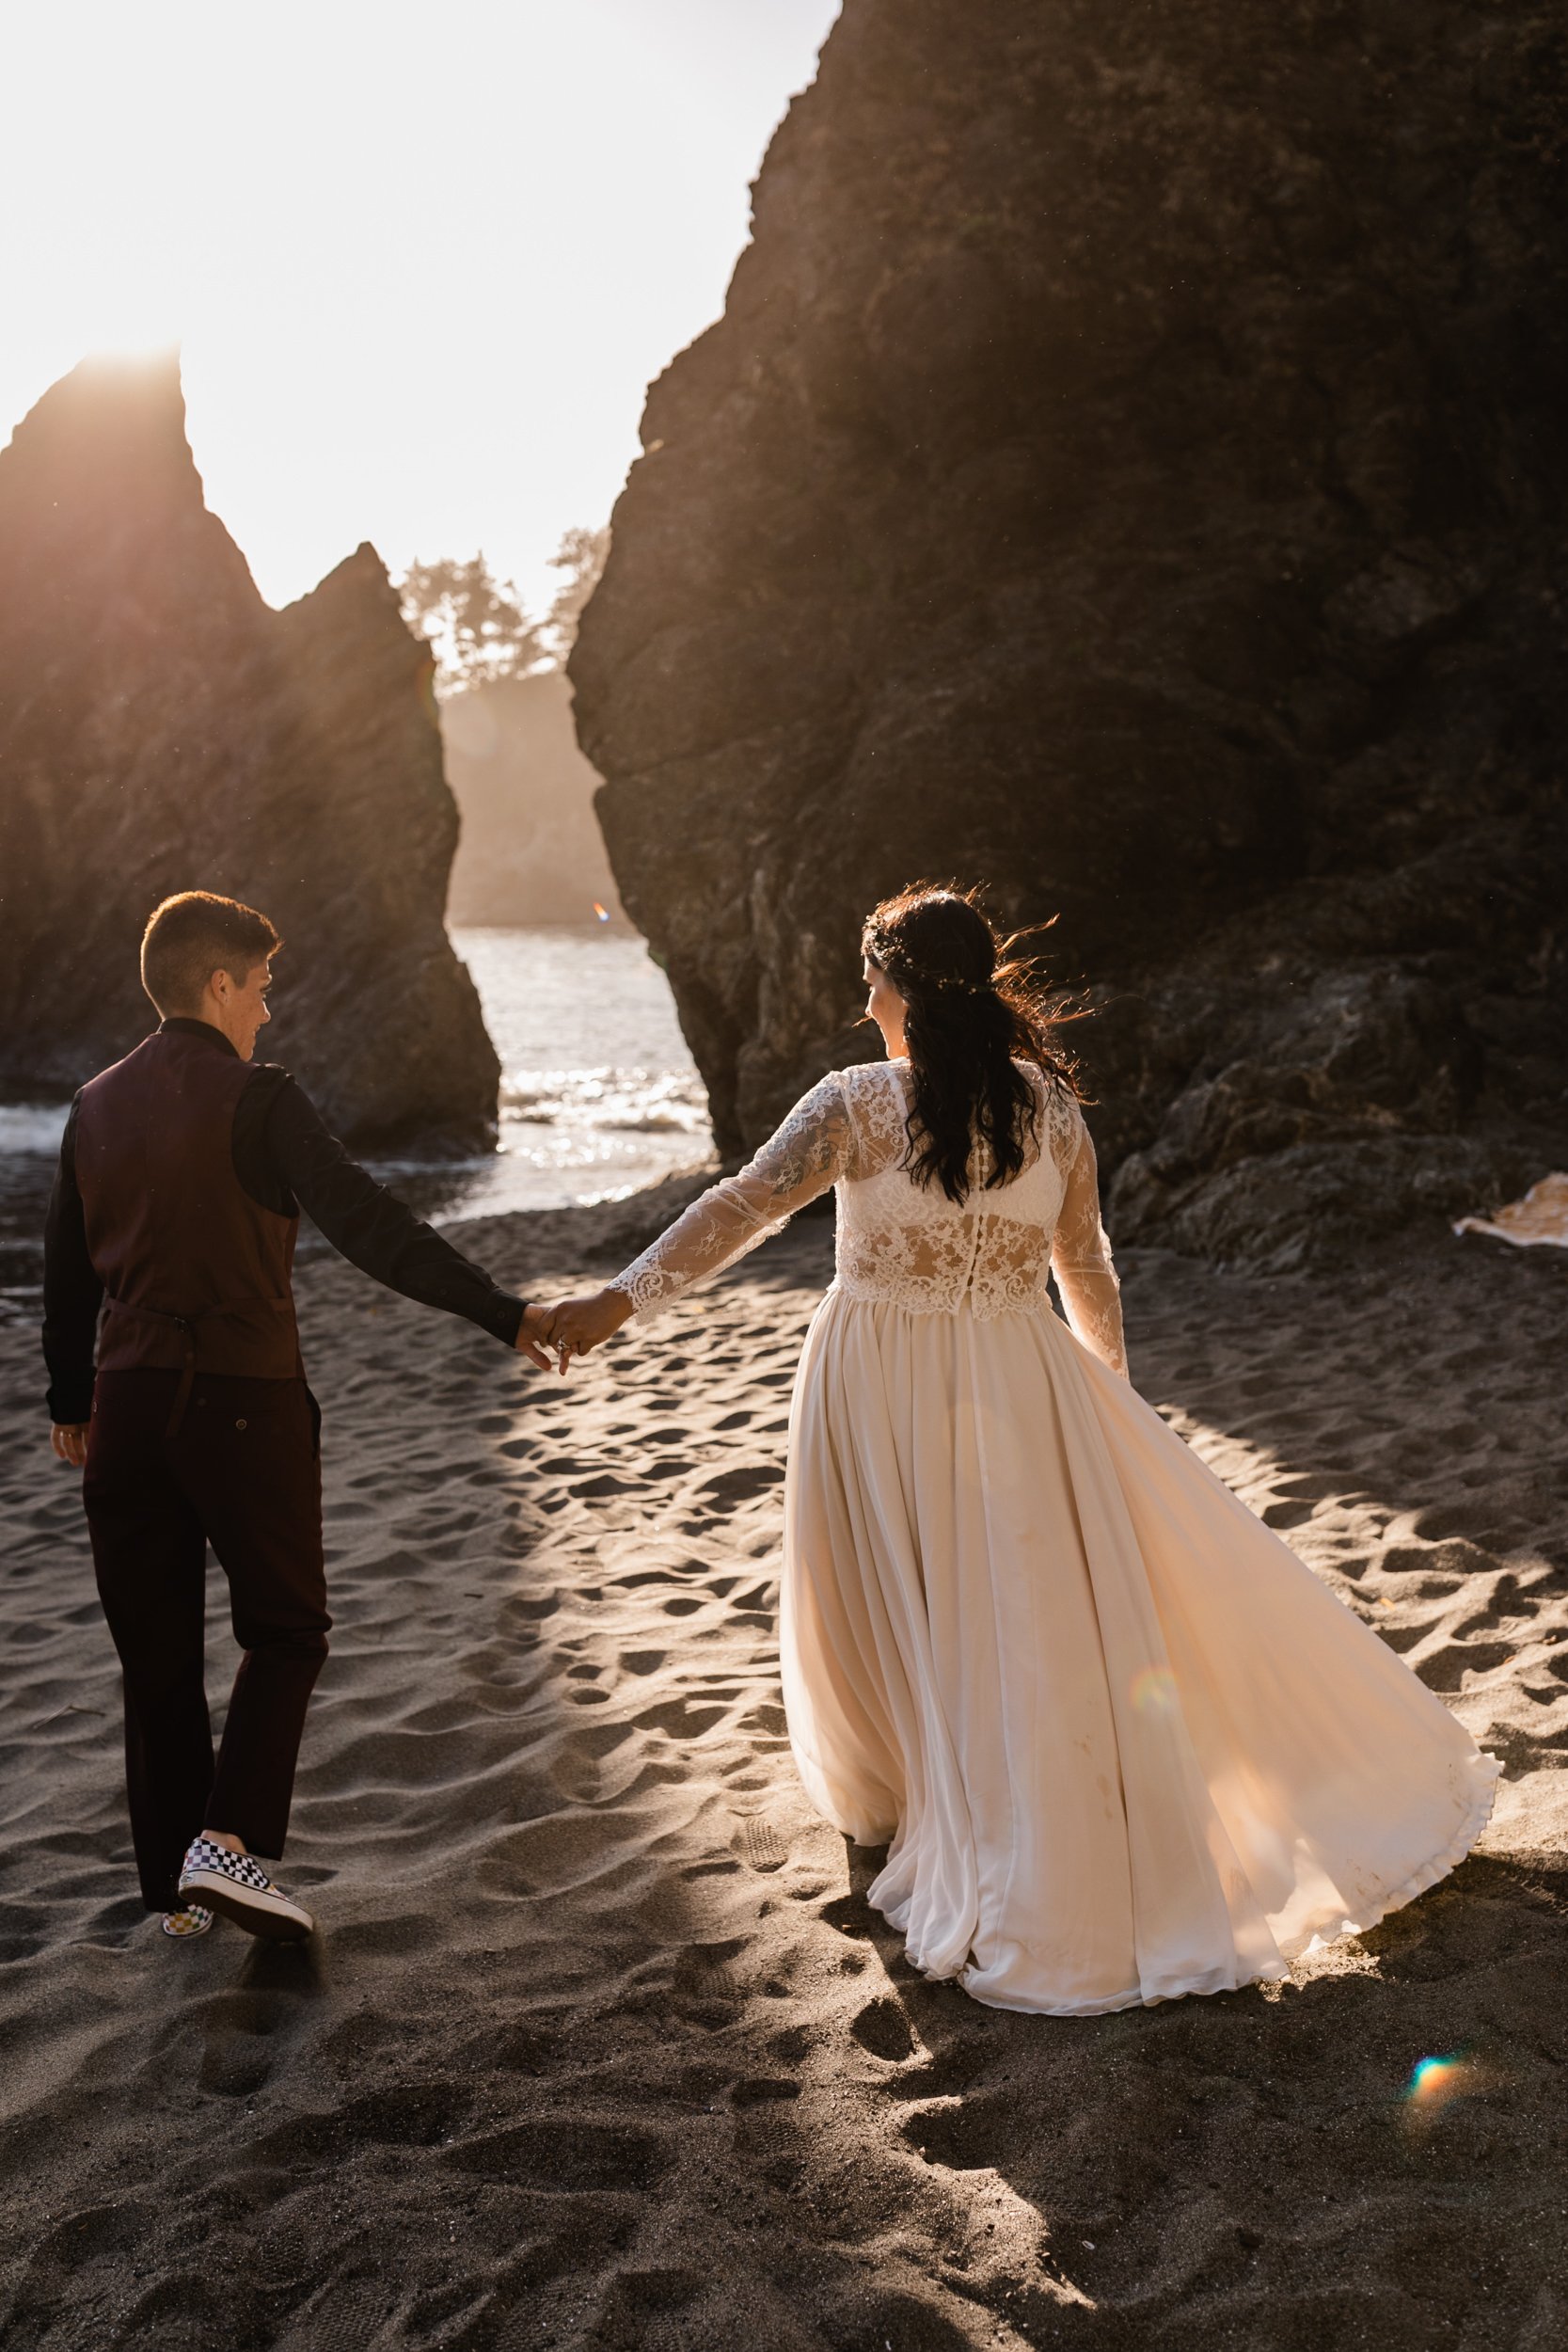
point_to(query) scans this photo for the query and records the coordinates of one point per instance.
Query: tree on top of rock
(478, 627)
(581, 555)
(475, 624)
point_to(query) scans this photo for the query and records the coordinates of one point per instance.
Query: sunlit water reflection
(599, 1093)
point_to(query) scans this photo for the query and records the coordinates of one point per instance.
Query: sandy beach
(598, 2043)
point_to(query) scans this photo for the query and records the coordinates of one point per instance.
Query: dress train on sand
(1120, 1744)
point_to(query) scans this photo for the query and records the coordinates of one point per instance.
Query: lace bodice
(900, 1242)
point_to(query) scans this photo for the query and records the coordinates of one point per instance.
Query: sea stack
(163, 729)
(1128, 471)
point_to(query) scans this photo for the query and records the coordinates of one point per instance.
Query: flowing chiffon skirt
(1122, 1744)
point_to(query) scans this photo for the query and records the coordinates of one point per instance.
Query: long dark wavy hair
(972, 1011)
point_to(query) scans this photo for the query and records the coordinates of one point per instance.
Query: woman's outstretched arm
(1081, 1261)
(807, 1154)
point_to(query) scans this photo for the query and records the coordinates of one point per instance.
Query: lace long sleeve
(1081, 1261)
(808, 1154)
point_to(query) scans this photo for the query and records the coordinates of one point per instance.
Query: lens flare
(1152, 1691)
(1437, 2082)
(603, 912)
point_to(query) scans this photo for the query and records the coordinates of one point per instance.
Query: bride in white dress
(1120, 1743)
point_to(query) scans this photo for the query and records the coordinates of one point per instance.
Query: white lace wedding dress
(1120, 1744)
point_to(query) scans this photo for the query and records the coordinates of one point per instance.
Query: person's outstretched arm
(812, 1150)
(73, 1295)
(1081, 1261)
(286, 1156)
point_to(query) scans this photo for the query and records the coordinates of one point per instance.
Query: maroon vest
(196, 1273)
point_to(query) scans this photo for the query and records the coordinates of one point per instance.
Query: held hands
(531, 1334)
(574, 1327)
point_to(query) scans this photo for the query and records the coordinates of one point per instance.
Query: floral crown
(898, 966)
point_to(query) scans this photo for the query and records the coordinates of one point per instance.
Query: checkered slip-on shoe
(236, 1885)
(194, 1920)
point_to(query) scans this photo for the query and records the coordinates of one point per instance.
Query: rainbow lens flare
(603, 912)
(1436, 2082)
(1152, 1691)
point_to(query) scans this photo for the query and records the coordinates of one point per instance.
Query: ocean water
(599, 1094)
(29, 1140)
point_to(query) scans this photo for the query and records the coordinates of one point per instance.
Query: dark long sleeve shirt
(287, 1160)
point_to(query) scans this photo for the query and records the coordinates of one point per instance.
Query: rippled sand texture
(599, 2046)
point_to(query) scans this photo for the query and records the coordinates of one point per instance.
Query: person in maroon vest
(168, 1249)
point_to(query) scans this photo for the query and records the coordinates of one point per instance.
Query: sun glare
(148, 350)
(316, 205)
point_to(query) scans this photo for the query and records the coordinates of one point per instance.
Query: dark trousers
(243, 1473)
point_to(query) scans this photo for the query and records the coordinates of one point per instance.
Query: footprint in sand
(406, 2114)
(245, 2035)
(758, 2089)
(882, 2028)
(682, 1717)
(564, 2153)
(759, 1842)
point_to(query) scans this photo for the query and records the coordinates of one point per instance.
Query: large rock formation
(162, 729)
(1129, 472)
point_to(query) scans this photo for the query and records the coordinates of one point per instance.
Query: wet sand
(599, 2044)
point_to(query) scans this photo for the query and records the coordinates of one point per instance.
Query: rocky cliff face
(162, 729)
(1128, 472)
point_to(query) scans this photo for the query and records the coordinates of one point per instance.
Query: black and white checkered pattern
(243, 1868)
(236, 1885)
(194, 1919)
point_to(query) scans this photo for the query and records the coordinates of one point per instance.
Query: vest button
(239, 1424)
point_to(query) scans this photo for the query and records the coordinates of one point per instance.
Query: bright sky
(421, 260)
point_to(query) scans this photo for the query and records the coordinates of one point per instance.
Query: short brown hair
(194, 934)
